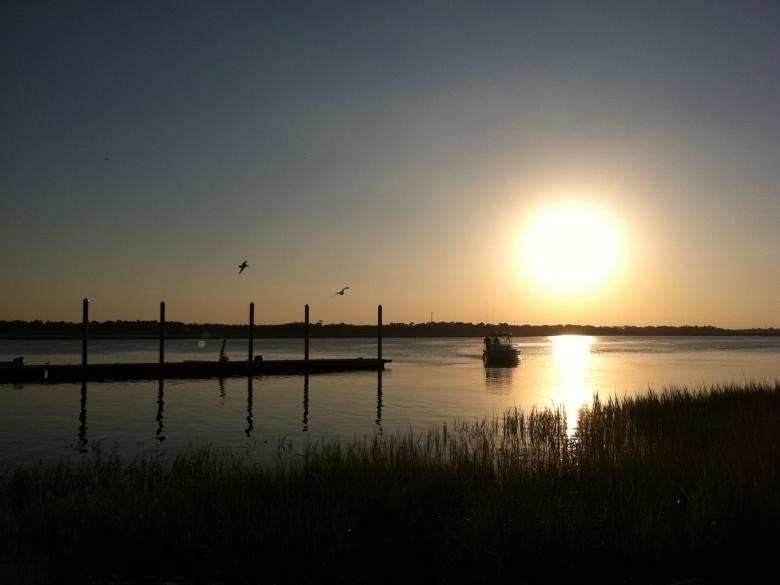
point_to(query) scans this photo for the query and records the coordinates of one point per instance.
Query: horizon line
(6, 323)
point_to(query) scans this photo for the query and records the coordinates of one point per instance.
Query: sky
(403, 149)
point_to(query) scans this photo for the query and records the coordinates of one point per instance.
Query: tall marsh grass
(677, 485)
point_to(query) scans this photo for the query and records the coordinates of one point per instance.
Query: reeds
(681, 484)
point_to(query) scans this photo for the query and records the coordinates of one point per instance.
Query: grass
(666, 487)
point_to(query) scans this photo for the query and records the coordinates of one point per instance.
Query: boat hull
(503, 358)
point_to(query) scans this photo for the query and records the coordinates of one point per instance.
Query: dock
(53, 374)
(162, 370)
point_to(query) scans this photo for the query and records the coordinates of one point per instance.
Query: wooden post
(379, 333)
(162, 332)
(306, 333)
(84, 331)
(251, 332)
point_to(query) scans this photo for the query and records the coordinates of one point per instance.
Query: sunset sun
(570, 248)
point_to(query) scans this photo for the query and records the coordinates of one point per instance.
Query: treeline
(177, 329)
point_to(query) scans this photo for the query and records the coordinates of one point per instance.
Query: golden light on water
(571, 248)
(571, 354)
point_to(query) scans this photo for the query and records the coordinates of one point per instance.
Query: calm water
(429, 381)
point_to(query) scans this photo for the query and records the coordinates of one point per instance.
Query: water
(429, 381)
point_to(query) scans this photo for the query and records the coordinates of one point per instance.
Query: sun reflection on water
(571, 354)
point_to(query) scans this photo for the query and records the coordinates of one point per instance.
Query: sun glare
(571, 354)
(571, 248)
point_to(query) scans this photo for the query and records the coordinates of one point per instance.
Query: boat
(499, 351)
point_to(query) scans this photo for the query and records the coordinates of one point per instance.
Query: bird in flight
(341, 292)
(242, 266)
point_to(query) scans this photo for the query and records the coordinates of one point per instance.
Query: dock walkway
(161, 370)
(171, 370)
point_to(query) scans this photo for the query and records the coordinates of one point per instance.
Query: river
(430, 381)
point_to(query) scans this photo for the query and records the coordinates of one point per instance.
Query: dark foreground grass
(677, 486)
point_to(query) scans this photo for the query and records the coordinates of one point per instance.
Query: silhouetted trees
(176, 329)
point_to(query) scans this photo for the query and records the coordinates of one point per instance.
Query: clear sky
(405, 149)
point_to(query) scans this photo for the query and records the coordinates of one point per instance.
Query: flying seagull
(242, 266)
(341, 292)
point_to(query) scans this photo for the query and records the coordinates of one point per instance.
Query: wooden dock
(161, 370)
(53, 374)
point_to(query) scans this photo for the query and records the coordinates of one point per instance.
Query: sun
(571, 248)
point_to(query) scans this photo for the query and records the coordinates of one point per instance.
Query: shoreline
(770, 334)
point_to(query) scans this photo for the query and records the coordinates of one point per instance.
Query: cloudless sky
(400, 148)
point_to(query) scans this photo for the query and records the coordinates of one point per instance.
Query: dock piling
(162, 332)
(306, 333)
(84, 331)
(379, 332)
(74, 372)
(251, 332)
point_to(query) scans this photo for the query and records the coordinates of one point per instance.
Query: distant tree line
(177, 329)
